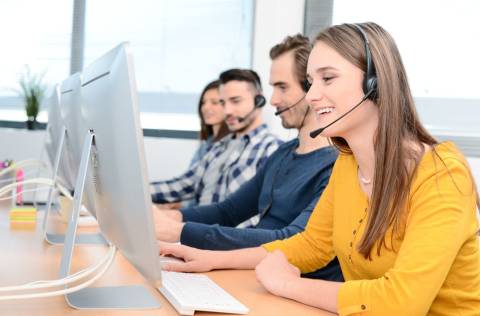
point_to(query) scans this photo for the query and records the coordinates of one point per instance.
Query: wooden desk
(25, 257)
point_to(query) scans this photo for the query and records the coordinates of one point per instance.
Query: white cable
(69, 279)
(64, 281)
(50, 283)
(23, 163)
(61, 181)
(82, 273)
(64, 191)
(64, 291)
(44, 181)
(48, 182)
(13, 179)
(21, 192)
(9, 187)
(59, 292)
(8, 180)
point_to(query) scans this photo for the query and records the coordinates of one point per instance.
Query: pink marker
(19, 175)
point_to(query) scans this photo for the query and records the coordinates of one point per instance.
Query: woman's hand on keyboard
(196, 260)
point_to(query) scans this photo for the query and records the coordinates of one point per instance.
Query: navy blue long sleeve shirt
(284, 192)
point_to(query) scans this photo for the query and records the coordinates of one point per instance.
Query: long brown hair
(399, 125)
(207, 130)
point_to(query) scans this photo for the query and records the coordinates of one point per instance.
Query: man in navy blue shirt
(284, 191)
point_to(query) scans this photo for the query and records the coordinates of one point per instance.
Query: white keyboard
(189, 292)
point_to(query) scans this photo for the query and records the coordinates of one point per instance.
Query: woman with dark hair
(399, 211)
(212, 129)
(212, 119)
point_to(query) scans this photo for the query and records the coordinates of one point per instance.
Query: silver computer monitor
(120, 185)
(70, 91)
(76, 128)
(55, 128)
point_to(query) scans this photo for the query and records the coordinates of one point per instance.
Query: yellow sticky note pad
(23, 214)
(23, 218)
(22, 225)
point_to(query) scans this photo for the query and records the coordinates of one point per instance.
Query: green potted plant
(32, 90)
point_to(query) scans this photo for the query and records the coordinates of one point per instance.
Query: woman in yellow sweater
(399, 211)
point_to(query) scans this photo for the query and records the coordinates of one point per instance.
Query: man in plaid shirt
(234, 159)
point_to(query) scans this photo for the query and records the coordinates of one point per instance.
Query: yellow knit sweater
(434, 268)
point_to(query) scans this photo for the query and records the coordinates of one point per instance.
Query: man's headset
(305, 87)
(369, 84)
(258, 101)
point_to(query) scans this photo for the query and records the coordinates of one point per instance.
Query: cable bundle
(39, 287)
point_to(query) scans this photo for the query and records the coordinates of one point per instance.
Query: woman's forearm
(317, 293)
(246, 258)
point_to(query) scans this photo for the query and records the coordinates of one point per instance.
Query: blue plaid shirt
(240, 166)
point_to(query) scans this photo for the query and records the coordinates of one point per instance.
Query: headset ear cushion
(306, 85)
(371, 85)
(260, 101)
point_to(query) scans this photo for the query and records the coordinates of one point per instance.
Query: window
(439, 47)
(178, 45)
(34, 33)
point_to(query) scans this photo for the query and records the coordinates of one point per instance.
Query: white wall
(167, 157)
(274, 20)
(20, 144)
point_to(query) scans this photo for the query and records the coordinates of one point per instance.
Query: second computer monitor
(55, 128)
(76, 128)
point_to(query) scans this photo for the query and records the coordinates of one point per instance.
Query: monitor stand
(119, 297)
(58, 239)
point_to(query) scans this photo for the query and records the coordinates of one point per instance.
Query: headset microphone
(289, 107)
(241, 119)
(318, 131)
(259, 102)
(305, 87)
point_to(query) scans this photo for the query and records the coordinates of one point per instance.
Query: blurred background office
(181, 45)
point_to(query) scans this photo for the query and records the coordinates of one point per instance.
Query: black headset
(259, 100)
(370, 78)
(306, 85)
